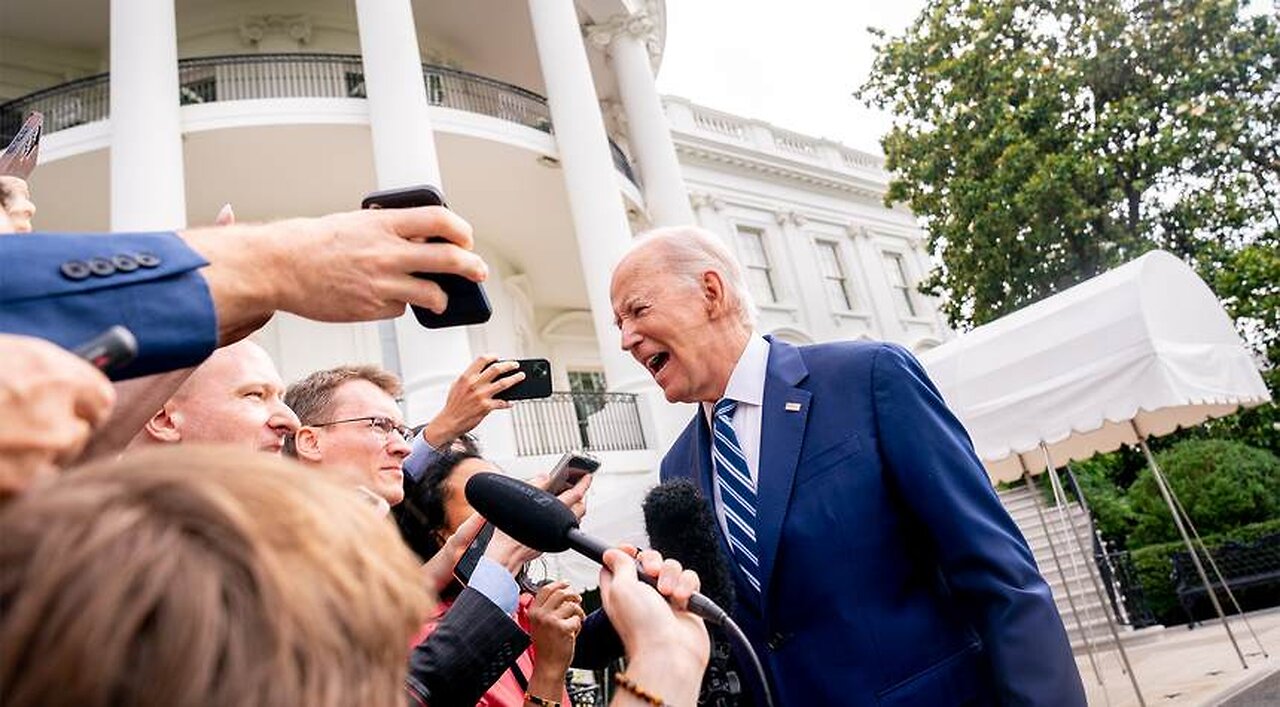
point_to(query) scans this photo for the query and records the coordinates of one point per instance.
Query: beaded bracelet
(539, 701)
(625, 682)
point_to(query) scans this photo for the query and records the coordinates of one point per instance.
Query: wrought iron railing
(257, 76)
(1124, 588)
(600, 422)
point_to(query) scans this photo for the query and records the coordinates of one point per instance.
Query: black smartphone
(109, 350)
(570, 470)
(468, 303)
(466, 564)
(536, 383)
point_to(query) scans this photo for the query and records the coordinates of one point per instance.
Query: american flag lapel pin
(793, 407)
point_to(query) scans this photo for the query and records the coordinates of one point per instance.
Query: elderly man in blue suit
(874, 563)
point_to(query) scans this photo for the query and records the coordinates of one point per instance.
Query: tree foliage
(1042, 142)
(1222, 485)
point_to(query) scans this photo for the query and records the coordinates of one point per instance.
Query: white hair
(691, 251)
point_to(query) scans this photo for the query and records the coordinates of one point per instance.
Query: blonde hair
(691, 251)
(203, 576)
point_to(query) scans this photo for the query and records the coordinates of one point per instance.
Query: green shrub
(1221, 484)
(1154, 567)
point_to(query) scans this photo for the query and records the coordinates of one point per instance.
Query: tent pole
(1053, 551)
(1060, 496)
(1213, 565)
(1167, 493)
(1114, 596)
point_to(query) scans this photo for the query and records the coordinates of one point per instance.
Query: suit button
(777, 639)
(124, 263)
(75, 270)
(146, 260)
(101, 267)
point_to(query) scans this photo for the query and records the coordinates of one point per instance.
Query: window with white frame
(901, 284)
(755, 260)
(833, 275)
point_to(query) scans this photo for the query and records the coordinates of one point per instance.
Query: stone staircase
(1090, 609)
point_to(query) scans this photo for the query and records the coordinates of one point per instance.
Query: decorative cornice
(785, 216)
(704, 200)
(803, 176)
(254, 28)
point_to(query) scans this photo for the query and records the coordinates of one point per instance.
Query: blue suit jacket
(891, 574)
(70, 288)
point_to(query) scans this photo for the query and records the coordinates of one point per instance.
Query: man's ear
(714, 296)
(306, 443)
(165, 425)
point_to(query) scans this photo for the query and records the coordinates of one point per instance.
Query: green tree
(1222, 485)
(1042, 142)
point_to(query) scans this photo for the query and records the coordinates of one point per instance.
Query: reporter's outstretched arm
(667, 647)
(184, 294)
(470, 400)
(362, 262)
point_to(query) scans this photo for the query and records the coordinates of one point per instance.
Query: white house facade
(543, 126)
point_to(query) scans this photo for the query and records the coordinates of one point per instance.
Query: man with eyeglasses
(350, 418)
(235, 397)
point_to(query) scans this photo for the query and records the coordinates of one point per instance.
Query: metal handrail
(256, 76)
(602, 422)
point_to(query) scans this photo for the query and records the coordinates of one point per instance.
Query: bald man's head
(235, 397)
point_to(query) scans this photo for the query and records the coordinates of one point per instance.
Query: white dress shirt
(746, 385)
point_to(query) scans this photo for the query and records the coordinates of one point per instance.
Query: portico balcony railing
(259, 76)
(598, 422)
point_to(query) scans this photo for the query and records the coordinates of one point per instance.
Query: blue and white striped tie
(737, 492)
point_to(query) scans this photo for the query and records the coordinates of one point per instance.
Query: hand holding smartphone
(536, 383)
(467, 303)
(569, 470)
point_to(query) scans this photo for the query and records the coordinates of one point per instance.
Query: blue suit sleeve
(985, 560)
(420, 458)
(147, 282)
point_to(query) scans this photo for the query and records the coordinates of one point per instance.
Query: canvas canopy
(1146, 342)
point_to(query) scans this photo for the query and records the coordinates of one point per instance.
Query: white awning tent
(1133, 353)
(1146, 342)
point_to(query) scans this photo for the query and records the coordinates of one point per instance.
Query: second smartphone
(468, 303)
(536, 383)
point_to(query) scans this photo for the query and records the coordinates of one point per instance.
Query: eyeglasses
(384, 425)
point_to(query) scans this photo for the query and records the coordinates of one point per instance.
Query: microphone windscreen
(528, 514)
(681, 526)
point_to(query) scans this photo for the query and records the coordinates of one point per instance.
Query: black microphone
(681, 525)
(539, 520)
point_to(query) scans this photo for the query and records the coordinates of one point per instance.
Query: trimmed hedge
(1155, 568)
(1222, 484)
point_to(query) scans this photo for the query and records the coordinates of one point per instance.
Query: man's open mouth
(657, 361)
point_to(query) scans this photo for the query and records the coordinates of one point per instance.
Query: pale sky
(794, 64)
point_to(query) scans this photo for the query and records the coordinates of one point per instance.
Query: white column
(600, 224)
(404, 154)
(665, 194)
(148, 191)
(404, 148)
